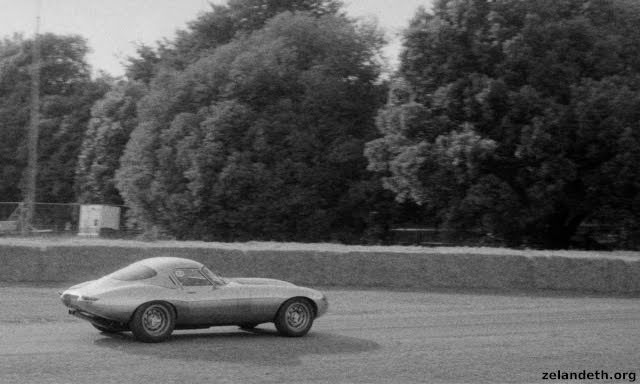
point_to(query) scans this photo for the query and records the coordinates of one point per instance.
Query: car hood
(259, 281)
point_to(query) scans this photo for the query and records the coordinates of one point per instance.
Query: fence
(592, 236)
(59, 219)
(50, 218)
(442, 237)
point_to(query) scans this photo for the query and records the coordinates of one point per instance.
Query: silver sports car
(152, 297)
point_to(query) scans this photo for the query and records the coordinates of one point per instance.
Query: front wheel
(294, 318)
(153, 322)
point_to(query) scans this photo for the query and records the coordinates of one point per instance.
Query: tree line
(275, 120)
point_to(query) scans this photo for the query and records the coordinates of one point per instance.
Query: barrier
(415, 269)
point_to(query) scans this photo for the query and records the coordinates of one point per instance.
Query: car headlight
(88, 298)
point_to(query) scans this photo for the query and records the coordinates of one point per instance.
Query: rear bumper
(97, 320)
(88, 311)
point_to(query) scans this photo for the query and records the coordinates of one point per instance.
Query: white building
(95, 217)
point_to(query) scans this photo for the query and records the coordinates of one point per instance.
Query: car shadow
(258, 346)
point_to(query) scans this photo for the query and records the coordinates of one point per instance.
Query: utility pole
(32, 138)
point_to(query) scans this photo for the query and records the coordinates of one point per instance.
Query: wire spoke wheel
(298, 316)
(295, 317)
(153, 322)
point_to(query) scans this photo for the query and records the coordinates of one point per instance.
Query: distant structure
(31, 173)
(94, 218)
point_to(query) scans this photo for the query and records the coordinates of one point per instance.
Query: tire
(295, 317)
(153, 322)
(107, 329)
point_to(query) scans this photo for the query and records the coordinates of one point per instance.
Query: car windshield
(213, 277)
(134, 272)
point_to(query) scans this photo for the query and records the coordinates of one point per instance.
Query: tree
(13, 117)
(517, 118)
(216, 28)
(112, 119)
(67, 93)
(263, 137)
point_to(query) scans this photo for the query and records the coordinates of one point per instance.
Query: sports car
(152, 297)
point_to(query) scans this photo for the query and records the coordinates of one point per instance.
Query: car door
(208, 303)
(256, 303)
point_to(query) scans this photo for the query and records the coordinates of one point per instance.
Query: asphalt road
(368, 336)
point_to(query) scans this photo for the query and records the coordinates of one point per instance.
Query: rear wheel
(153, 322)
(295, 317)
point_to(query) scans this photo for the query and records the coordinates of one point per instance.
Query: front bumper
(322, 305)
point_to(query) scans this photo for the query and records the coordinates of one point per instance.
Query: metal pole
(32, 140)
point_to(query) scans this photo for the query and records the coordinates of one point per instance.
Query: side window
(191, 277)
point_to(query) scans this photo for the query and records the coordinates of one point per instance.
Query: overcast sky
(113, 27)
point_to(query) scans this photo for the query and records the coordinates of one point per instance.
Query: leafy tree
(144, 66)
(517, 118)
(67, 93)
(262, 138)
(13, 117)
(215, 28)
(112, 119)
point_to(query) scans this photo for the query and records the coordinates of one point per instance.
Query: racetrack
(368, 336)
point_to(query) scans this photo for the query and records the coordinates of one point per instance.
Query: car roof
(167, 264)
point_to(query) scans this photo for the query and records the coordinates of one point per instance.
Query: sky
(114, 27)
